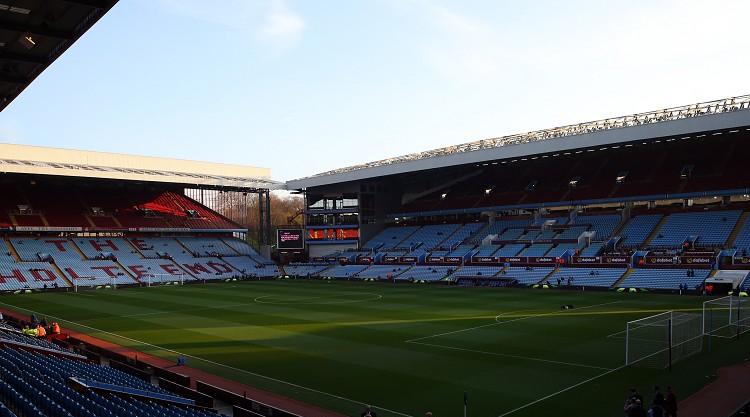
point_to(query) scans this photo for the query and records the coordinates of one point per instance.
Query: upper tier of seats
(604, 224)
(390, 237)
(431, 236)
(712, 228)
(742, 241)
(69, 206)
(638, 229)
(497, 227)
(649, 171)
(709, 228)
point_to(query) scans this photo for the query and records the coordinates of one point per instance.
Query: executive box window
(351, 219)
(332, 203)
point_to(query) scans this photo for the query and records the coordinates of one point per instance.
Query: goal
(162, 279)
(663, 339)
(726, 317)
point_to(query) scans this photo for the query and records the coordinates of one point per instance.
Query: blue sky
(306, 86)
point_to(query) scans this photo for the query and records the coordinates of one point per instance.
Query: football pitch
(405, 349)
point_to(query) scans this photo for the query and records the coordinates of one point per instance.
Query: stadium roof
(701, 117)
(33, 33)
(24, 159)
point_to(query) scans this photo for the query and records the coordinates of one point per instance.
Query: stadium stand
(430, 237)
(47, 391)
(603, 224)
(45, 249)
(556, 221)
(249, 267)
(537, 249)
(712, 228)
(343, 271)
(426, 273)
(382, 271)
(547, 234)
(85, 273)
(560, 249)
(390, 237)
(742, 240)
(574, 232)
(510, 250)
(461, 250)
(487, 250)
(638, 229)
(664, 278)
(496, 228)
(302, 270)
(526, 275)
(206, 247)
(530, 235)
(587, 277)
(592, 250)
(484, 271)
(36, 275)
(463, 233)
(511, 234)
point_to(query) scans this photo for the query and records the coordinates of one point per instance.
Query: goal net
(726, 317)
(163, 279)
(663, 339)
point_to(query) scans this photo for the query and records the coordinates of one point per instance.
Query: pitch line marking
(566, 389)
(219, 307)
(372, 297)
(507, 321)
(222, 365)
(508, 355)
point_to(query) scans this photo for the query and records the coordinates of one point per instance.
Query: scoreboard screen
(290, 238)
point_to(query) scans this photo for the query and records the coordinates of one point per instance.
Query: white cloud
(270, 22)
(281, 23)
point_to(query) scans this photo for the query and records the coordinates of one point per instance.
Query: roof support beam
(99, 4)
(13, 56)
(13, 79)
(12, 26)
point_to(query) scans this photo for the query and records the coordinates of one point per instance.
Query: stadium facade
(73, 218)
(664, 188)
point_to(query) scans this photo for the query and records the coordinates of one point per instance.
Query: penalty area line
(497, 322)
(509, 355)
(562, 391)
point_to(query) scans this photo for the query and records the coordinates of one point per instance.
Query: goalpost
(726, 317)
(663, 339)
(160, 279)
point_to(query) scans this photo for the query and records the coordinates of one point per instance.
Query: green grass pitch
(405, 349)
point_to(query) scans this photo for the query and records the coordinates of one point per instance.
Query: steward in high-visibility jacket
(55, 328)
(40, 331)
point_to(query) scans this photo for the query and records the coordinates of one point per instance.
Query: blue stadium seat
(664, 278)
(712, 228)
(638, 228)
(526, 276)
(587, 277)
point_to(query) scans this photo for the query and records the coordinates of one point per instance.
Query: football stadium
(544, 273)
